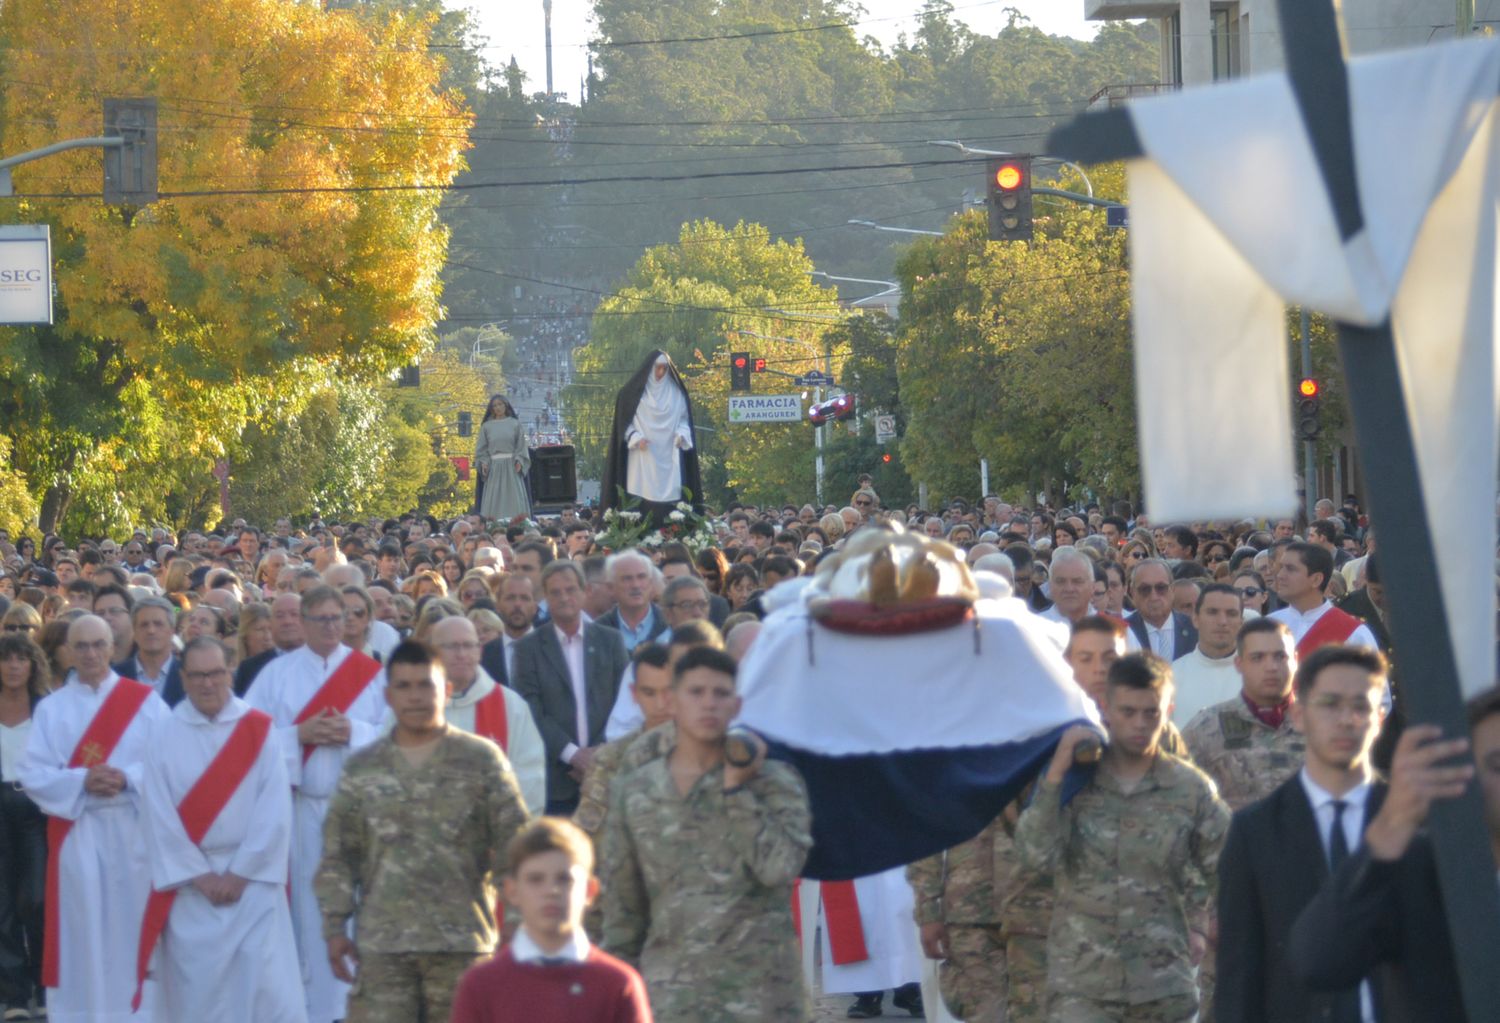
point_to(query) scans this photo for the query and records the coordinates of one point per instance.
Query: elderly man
(218, 823)
(633, 581)
(326, 701)
(685, 599)
(478, 704)
(84, 765)
(1154, 626)
(286, 635)
(1072, 586)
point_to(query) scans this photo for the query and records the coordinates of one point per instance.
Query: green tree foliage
(1020, 353)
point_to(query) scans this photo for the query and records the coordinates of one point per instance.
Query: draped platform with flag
(909, 744)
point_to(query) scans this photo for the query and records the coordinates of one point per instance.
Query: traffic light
(411, 376)
(1309, 401)
(130, 169)
(1009, 199)
(739, 371)
(757, 365)
(466, 424)
(885, 457)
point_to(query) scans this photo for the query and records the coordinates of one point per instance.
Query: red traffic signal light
(740, 362)
(758, 366)
(739, 371)
(1308, 388)
(1008, 176)
(886, 457)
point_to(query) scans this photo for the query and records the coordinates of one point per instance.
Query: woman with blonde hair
(433, 612)
(832, 526)
(425, 583)
(22, 618)
(178, 577)
(487, 623)
(474, 586)
(254, 637)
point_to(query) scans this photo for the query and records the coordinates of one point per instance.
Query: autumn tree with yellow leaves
(296, 243)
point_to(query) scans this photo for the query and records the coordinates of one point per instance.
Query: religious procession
(1200, 735)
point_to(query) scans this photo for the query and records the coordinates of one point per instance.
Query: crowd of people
(471, 770)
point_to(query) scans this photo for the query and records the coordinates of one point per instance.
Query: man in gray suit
(569, 672)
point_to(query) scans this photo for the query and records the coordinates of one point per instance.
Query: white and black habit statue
(652, 453)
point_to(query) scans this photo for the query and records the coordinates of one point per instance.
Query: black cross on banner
(1319, 78)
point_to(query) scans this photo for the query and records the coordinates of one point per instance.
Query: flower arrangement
(626, 527)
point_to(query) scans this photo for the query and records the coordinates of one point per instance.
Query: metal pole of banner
(984, 478)
(1309, 448)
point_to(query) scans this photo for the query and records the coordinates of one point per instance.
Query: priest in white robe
(481, 706)
(84, 766)
(350, 706)
(227, 954)
(878, 947)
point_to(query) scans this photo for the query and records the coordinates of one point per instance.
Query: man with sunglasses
(1154, 626)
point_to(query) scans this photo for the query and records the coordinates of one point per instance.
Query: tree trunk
(54, 506)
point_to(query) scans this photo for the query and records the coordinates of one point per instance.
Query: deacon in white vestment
(223, 958)
(282, 689)
(887, 919)
(104, 876)
(469, 686)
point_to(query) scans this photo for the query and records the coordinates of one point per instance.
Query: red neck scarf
(1271, 717)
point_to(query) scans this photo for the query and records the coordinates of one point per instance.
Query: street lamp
(899, 230)
(817, 396)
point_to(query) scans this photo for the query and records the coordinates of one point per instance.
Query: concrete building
(1208, 40)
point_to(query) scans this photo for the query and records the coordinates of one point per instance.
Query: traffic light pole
(1309, 448)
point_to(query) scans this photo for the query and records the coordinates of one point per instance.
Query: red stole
(198, 811)
(95, 746)
(846, 935)
(491, 720)
(1334, 627)
(340, 691)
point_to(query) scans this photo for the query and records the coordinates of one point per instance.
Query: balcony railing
(1114, 95)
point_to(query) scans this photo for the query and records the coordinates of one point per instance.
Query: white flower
(631, 516)
(676, 516)
(684, 506)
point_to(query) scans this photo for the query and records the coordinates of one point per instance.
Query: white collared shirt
(524, 950)
(1161, 640)
(159, 680)
(1355, 801)
(572, 651)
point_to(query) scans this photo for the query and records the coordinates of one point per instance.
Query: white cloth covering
(282, 689)
(661, 419)
(1212, 271)
(524, 747)
(104, 874)
(222, 964)
(886, 906)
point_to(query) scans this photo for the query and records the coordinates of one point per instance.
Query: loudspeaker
(554, 475)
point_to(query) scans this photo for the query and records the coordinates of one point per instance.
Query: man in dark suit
(1281, 849)
(1154, 626)
(569, 673)
(1382, 910)
(516, 606)
(632, 578)
(1368, 604)
(152, 661)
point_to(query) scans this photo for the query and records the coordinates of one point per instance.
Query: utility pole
(547, 23)
(1309, 448)
(1464, 22)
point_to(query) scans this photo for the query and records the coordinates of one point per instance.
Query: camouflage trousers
(1206, 975)
(972, 978)
(1026, 957)
(408, 987)
(1070, 1009)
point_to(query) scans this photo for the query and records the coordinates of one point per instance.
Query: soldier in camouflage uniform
(958, 911)
(651, 690)
(700, 858)
(1249, 753)
(413, 849)
(1130, 853)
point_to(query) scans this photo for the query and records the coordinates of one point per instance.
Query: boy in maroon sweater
(549, 973)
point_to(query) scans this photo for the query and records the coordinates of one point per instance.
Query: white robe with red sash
(501, 715)
(867, 936)
(222, 964)
(282, 689)
(104, 875)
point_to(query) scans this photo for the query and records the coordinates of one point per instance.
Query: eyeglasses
(356, 612)
(1152, 587)
(690, 605)
(19, 627)
(324, 619)
(866, 503)
(1135, 555)
(1250, 591)
(205, 676)
(458, 648)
